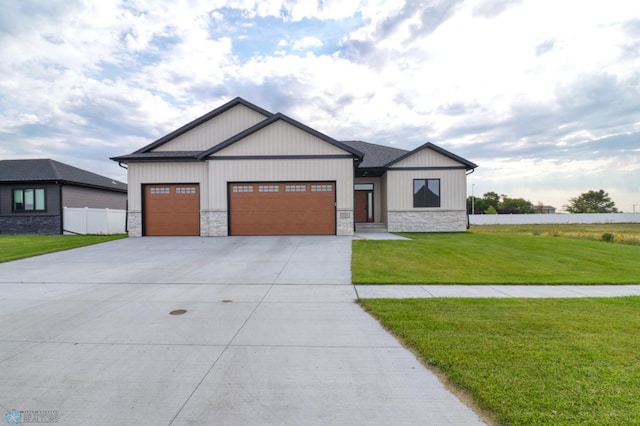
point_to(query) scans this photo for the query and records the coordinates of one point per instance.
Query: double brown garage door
(282, 208)
(265, 208)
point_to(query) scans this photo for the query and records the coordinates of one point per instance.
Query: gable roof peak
(468, 164)
(200, 120)
(270, 120)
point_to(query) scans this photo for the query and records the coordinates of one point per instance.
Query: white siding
(178, 172)
(453, 192)
(214, 131)
(223, 171)
(280, 138)
(427, 158)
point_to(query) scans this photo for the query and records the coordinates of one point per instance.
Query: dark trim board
(429, 168)
(281, 157)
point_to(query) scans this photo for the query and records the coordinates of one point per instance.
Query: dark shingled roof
(46, 170)
(375, 156)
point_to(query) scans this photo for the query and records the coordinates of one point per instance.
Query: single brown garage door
(171, 209)
(282, 208)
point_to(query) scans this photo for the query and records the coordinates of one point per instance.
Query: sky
(543, 95)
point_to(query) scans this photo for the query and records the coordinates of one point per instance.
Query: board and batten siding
(281, 170)
(280, 138)
(215, 131)
(427, 158)
(453, 191)
(79, 196)
(166, 172)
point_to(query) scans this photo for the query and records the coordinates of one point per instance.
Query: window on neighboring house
(426, 193)
(28, 200)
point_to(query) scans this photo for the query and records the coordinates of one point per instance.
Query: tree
(515, 206)
(476, 205)
(591, 202)
(492, 199)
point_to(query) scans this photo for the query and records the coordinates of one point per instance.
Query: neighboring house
(33, 194)
(545, 209)
(241, 170)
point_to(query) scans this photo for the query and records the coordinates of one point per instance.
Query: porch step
(368, 228)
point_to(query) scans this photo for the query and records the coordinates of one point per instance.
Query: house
(242, 170)
(33, 194)
(545, 209)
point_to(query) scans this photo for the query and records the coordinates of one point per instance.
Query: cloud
(306, 43)
(482, 78)
(493, 8)
(544, 47)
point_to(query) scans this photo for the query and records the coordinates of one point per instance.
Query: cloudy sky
(543, 95)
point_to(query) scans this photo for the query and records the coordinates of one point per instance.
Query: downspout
(61, 207)
(465, 203)
(126, 205)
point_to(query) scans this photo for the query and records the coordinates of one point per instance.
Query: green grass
(623, 233)
(13, 247)
(493, 258)
(530, 361)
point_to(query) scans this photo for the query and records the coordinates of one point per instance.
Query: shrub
(608, 237)
(555, 232)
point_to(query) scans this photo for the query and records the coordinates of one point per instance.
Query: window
(186, 190)
(29, 199)
(242, 188)
(295, 188)
(159, 191)
(321, 188)
(363, 187)
(268, 188)
(426, 193)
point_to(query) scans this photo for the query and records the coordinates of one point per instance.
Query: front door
(364, 206)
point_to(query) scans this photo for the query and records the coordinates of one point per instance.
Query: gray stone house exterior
(34, 192)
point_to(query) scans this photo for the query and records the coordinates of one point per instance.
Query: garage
(282, 208)
(171, 209)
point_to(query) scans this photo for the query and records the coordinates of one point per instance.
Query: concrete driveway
(271, 335)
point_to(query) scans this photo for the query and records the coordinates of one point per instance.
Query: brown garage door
(282, 208)
(171, 209)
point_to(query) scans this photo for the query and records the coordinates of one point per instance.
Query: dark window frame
(24, 209)
(424, 200)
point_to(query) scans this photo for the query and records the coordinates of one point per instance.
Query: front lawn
(529, 361)
(493, 258)
(13, 247)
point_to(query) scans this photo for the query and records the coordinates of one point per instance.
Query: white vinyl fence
(94, 221)
(557, 218)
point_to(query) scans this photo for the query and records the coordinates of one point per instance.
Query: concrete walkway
(271, 335)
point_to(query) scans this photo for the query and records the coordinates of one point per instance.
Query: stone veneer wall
(344, 222)
(28, 224)
(214, 223)
(427, 221)
(134, 223)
